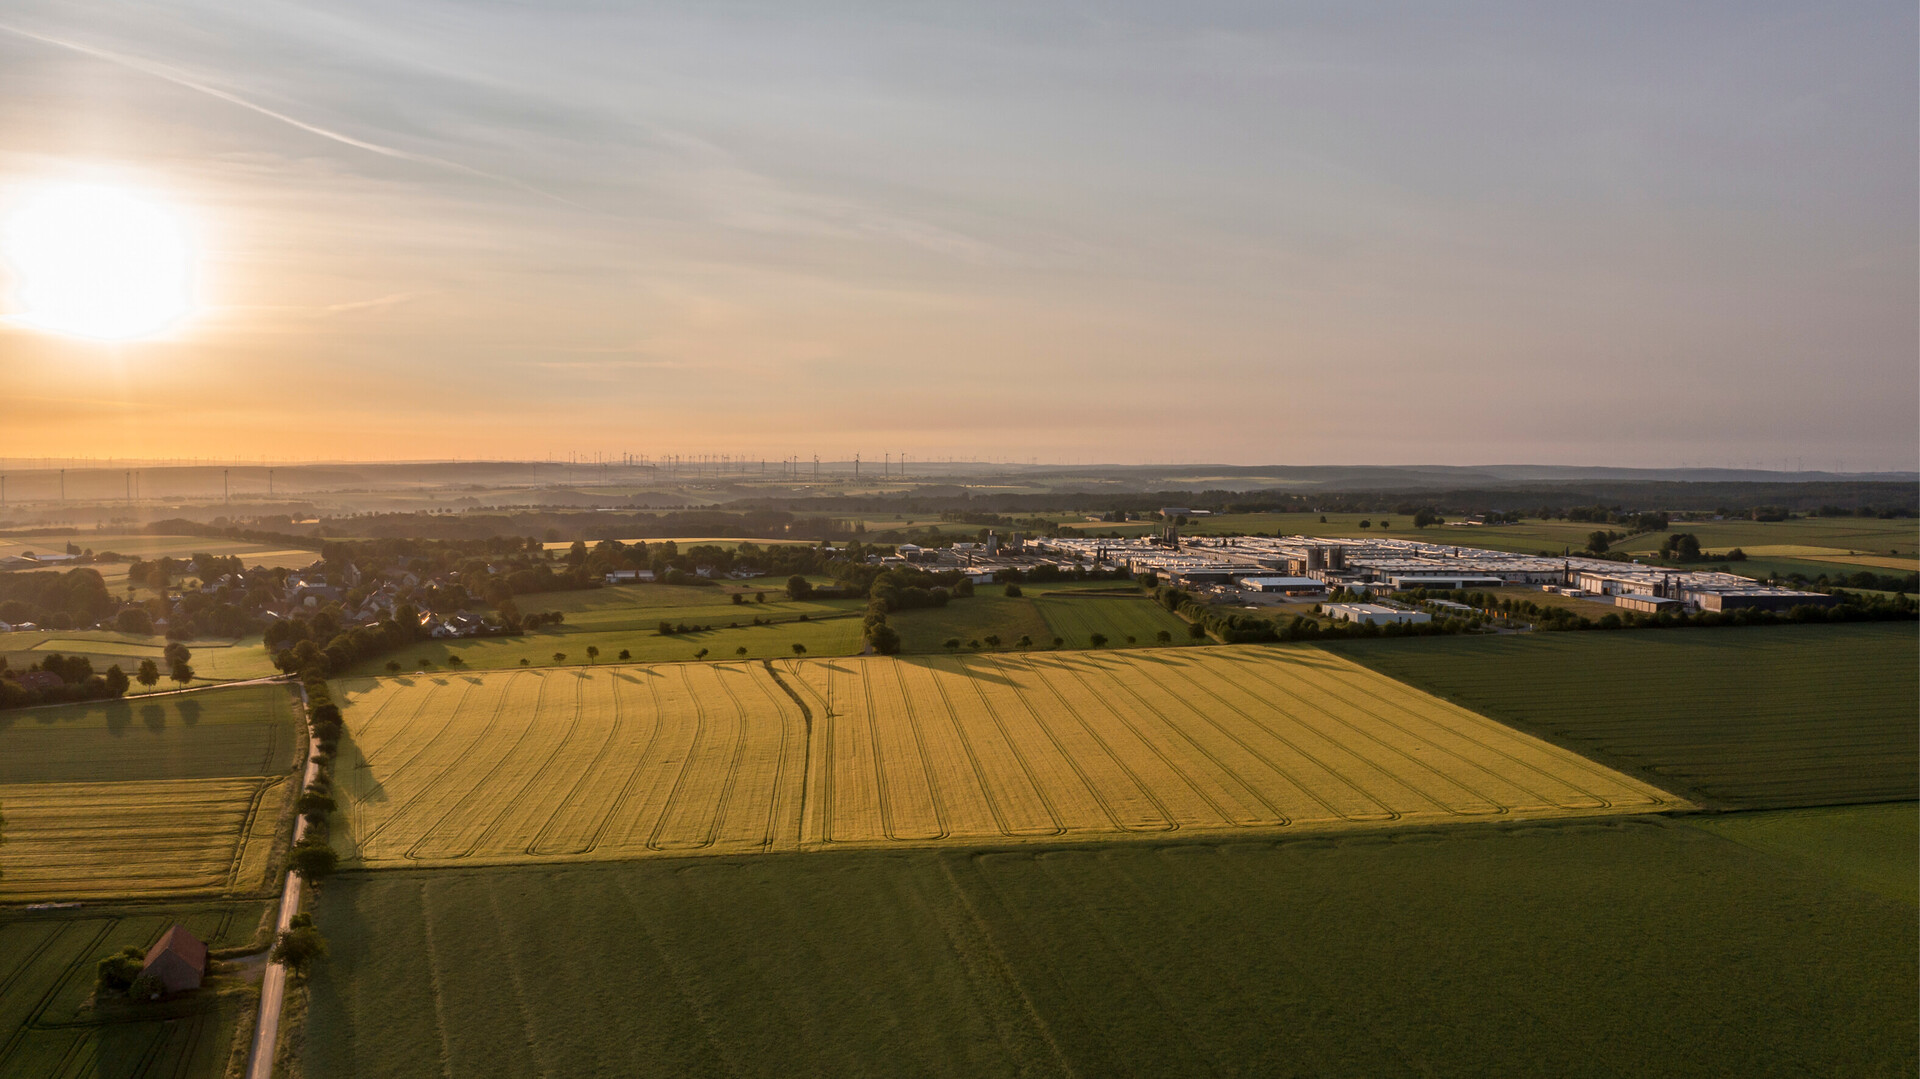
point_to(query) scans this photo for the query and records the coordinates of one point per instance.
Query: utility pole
(816, 469)
(856, 466)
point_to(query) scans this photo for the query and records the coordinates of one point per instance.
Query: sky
(1639, 234)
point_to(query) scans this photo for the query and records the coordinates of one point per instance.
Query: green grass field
(985, 613)
(144, 545)
(1079, 617)
(182, 794)
(214, 661)
(50, 1030)
(241, 731)
(1874, 846)
(836, 636)
(1634, 947)
(1760, 717)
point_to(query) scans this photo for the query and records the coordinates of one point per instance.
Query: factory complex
(1258, 570)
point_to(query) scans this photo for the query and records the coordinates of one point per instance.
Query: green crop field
(986, 613)
(835, 636)
(214, 661)
(238, 731)
(1633, 947)
(1078, 617)
(1756, 717)
(145, 545)
(181, 794)
(49, 1028)
(1874, 846)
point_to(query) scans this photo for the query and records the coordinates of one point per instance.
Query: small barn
(178, 960)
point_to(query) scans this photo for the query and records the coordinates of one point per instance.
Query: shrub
(1013, 590)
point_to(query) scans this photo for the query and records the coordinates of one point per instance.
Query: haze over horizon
(1633, 235)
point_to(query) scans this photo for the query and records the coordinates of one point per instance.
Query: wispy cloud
(182, 79)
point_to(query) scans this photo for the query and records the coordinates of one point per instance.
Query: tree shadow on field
(967, 668)
(154, 716)
(189, 710)
(119, 716)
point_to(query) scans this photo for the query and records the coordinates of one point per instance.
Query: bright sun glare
(97, 261)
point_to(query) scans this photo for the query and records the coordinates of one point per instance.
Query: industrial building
(1374, 614)
(1232, 565)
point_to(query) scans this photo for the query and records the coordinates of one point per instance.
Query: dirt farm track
(632, 761)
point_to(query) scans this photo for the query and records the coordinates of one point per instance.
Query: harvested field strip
(91, 840)
(1759, 717)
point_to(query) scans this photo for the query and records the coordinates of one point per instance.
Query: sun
(97, 261)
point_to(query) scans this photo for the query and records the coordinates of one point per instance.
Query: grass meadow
(214, 661)
(1874, 846)
(50, 1030)
(174, 795)
(1759, 717)
(1635, 946)
(650, 761)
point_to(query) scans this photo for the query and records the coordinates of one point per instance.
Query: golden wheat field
(607, 762)
(139, 838)
(620, 762)
(1098, 743)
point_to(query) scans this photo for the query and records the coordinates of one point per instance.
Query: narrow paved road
(273, 984)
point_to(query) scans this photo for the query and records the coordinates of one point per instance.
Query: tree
(951, 644)
(1598, 541)
(593, 653)
(393, 666)
(299, 945)
(884, 638)
(799, 649)
(1164, 637)
(117, 681)
(1426, 516)
(1013, 589)
(702, 654)
(1099, 640)
(114, 975)
(626, 654)
(738, 599)
(454, 660)
(133, 620)
(1024, 642)
(1059, 642)
(759, 597)
(149, 674)
(175, 653)
(1364, 523)
(559, 657)
(1386, 524)
(313, 860)
(182, 672)
(993, 640)
(798, 587)
(740, 651)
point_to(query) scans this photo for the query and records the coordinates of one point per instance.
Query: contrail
(159, 71)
